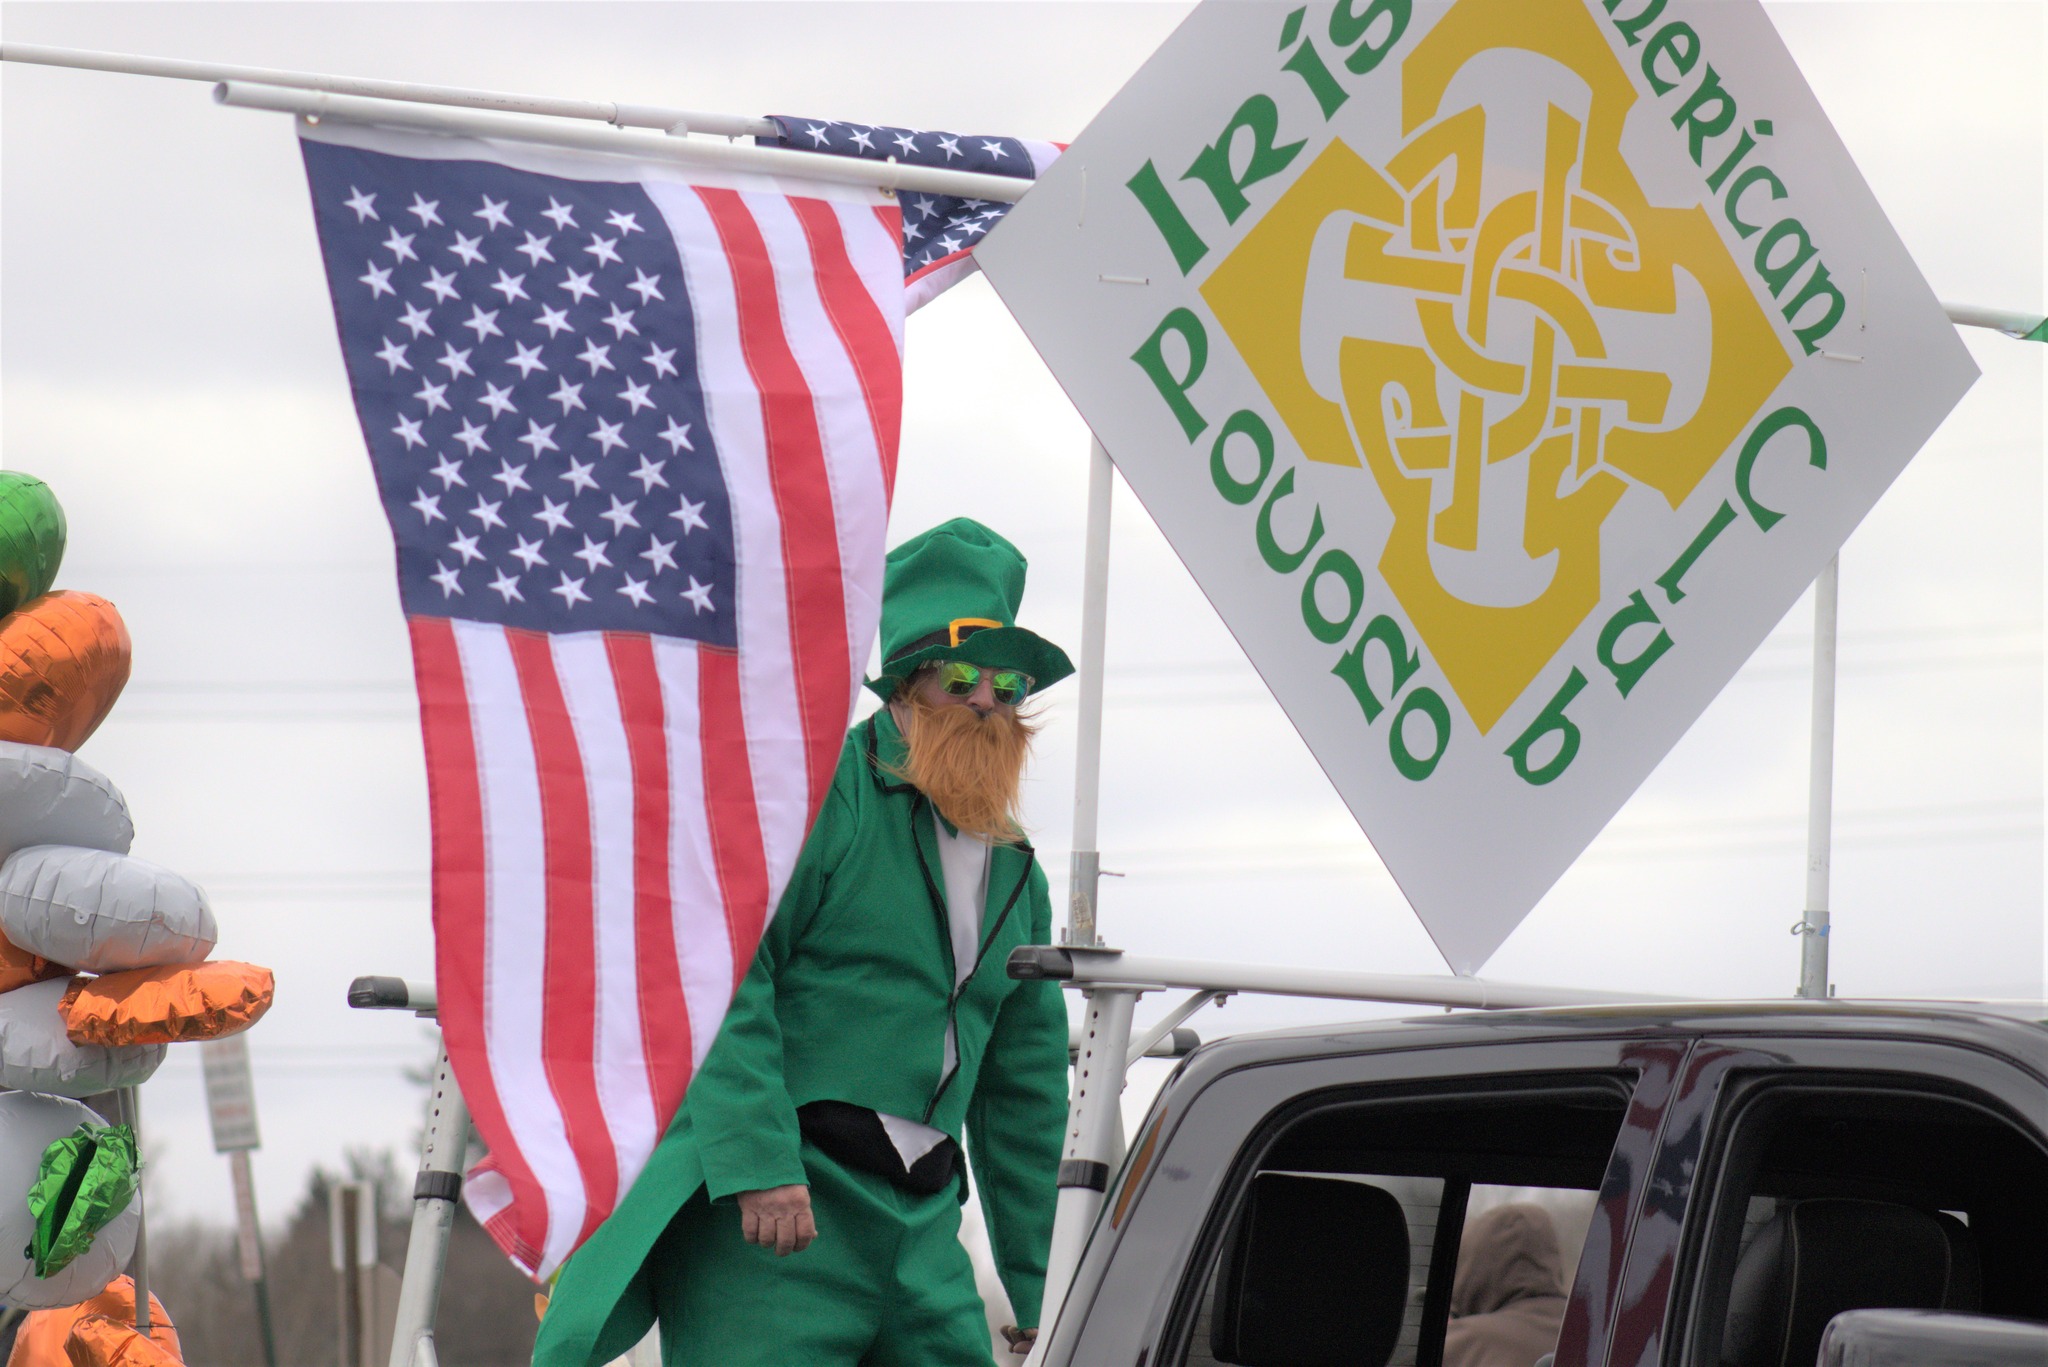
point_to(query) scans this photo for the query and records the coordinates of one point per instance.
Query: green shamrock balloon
(83, 1182)
(31, 539)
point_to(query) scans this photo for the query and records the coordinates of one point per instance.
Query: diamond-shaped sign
(1503, 370)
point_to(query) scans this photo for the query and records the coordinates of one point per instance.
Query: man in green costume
(804, 1206)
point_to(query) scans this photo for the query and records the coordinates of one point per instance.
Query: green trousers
(886, 1284)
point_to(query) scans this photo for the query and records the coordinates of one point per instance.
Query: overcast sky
(168, 363)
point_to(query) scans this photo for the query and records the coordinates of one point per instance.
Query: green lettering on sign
(1551, 721)
(1628, 673)
(1745, 464)
(1401, 664)
(1181, 238)
(1260, 117)
(1244, 422)
(1285, 561)
(1669, 580)
(1330, 630)
(1423, 702)
(1151, 358)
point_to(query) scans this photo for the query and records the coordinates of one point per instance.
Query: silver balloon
(36, 1055)
(51, 797)
(30, 1123)
(102, 912)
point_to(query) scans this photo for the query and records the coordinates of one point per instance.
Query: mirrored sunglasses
(959, 679)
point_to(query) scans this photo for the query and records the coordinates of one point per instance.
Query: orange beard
(970, 766)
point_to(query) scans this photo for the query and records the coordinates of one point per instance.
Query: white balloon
(30, 1123)
(102, 912)
(51, 797)
(35, 1055)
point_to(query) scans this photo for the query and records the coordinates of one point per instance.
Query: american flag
(939, 231)
(635, 431)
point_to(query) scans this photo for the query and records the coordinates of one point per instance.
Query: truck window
(1403, 1230)
(1856, 1193)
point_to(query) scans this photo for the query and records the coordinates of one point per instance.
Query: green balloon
(31, 539)
(85, 1180)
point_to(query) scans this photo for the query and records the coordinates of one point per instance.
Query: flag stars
(568, 395)
(817, 135)
(620, 515)
(624, 222)
(456, 361)
(527, 359)
(862, 140)
(635, 394)
(646, 286)
(595, 356)
(552, 515)
(449, 580)
(699, 595)
(950, 146)
(511, 286)
(677, 435)
(620, 321)
(536, 249)
(498, 398)
(555, 320)
(493, 214)
(578, 475)
(449, 472)
(578, 285)
(906, 141)
(416, 319)
(472, 436)
(468, 248)
(429, 506)
(538, 438)
(365, 206)
(507, 587)
(432, 395)
(607, 435)
(691, 515)
(592, 554)
(465, 546)
(571, 591)
(408, 431)
(378, 279)
(564, 217)
(486, 512)
(605, 249)
(649, 474)
(427, 211)
(663, 359)
(441, 284)
(994, 149)
(484, 324)
(393, 355)
(528, 551)
(660, 555)
(400, 245)
(636, 590)
(513, 477)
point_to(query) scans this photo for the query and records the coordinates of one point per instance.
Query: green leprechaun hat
(952, 594)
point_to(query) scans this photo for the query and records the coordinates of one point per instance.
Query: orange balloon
(102, 1341)
(166, 1005)
(43, 1332)
(19, 968)
(63, 661)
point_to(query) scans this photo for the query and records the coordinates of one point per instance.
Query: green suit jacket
(848, 1000)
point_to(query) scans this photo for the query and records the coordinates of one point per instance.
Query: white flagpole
(315, 105)
(1820, 794)
(1085, 864)
(602, 111)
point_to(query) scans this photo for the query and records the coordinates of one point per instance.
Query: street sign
(1503, 370)
(230, 1094)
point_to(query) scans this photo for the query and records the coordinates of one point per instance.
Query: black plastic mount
(379, 993)
(1041, 963)
(1081, 1172)
(436, 1186)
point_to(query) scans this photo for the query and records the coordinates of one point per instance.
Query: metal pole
(314, 106)
(1820, 793)
(131, 1116)
(1094, 1145)
(602, 111)
(1084, 867)
(249, 1234)
(434, 1194)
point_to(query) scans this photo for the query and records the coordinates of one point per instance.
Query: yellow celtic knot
(1504, 330)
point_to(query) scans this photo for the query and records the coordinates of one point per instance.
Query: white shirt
(963, 862)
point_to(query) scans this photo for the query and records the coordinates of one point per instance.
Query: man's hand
(1020, 1340)
(778, 1218)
